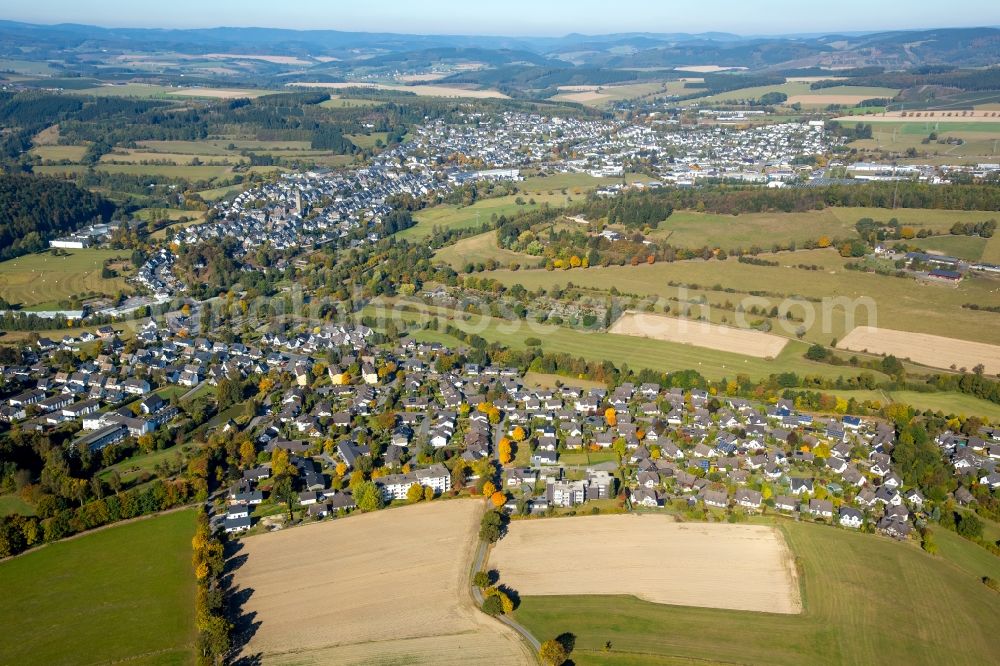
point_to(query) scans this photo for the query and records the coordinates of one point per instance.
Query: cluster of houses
(572, 444)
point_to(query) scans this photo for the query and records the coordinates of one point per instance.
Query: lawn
(125, 593)
(899, 303)
(143, 463)
(44, 279)
(867, 600)
(450, 216)
(10, 504)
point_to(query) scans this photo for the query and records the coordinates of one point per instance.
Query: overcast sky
(518, 17)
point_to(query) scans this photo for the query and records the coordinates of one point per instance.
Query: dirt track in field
(933, 350)
(386, 587)
(700, 334)
(712, 565)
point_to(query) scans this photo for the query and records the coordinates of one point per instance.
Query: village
(405, 416)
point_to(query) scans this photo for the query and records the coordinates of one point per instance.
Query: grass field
(991, 252)
(637, 352)
(686, 228)
(600, 96)
(150, 91)
(125, 593)
(930, 308)
(367, 140)
(42, 279)
(481, 248)
(964, 247)
(450, 216)
(799, 91)
(131, 156)
(129, 470)
(346, 103)
(856, 589)
(59, 153)
(10, 504)
(980, 139)
(947, 402)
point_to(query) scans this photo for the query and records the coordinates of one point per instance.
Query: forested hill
(35, 209)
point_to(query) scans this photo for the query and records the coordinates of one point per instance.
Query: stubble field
(387, 587)
(932, 350)
(710, 565)
(700, 334)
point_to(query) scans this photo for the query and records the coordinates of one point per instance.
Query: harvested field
(933, 350)
(709, 565)
(217, 93)
(276, 59)
(978, 116)
(385, 587)
(823, 100)
(700, 334)
(420, 90)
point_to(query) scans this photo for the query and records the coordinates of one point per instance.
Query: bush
(492, 606)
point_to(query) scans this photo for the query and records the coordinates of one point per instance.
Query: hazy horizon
(516, 18)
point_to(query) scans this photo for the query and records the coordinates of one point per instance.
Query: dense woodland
(34, 209)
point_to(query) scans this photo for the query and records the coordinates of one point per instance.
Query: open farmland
(450, 216)
(388, 587)
(932, 350)
(699, 333)
(44, 279)
(685, 228)
(947, 402)
(120, 594)
(741, 567)
(424, 90)
(923, 308)
(481, 248)
(850, 584)
(635, 352)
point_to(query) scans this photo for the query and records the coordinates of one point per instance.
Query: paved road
(192, 391)
(477, 594)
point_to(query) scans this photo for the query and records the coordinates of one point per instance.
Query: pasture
(451, 216)
(933, 350)
(600, 96)
(635, 352)
(40, 279)
(947, 402)
(120, 594)
(699, 333)
(969, 248)
(713, 565)
(421, 90)
(852, 586)
(909, 305)
(390, 587)
(59, 153)
(799, 91)
(481, 248)
(685, 228)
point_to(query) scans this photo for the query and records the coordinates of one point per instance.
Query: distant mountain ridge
(895, 49)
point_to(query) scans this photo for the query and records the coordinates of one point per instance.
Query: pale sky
(518, 17)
